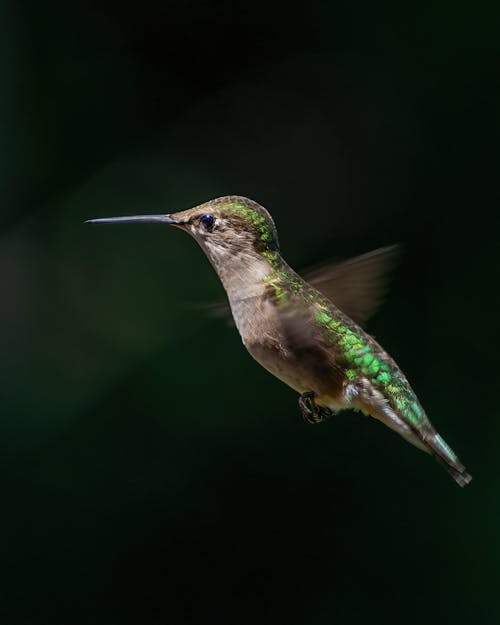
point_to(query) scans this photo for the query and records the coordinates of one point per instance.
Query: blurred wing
(219, 309)
(356, 286)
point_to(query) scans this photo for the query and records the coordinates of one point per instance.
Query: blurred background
(151, 472)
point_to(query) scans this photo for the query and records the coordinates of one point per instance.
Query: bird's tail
(423, 436)
(447, 457)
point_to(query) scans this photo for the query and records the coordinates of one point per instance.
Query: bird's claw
(311, 412)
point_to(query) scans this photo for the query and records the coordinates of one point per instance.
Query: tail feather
(460, 475)
(447, 457)
(423, 435)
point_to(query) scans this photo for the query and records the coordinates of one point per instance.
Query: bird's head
(229, 229)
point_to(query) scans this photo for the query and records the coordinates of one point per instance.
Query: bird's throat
(243, 276)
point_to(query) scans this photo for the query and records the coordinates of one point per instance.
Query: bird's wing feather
(356, 286)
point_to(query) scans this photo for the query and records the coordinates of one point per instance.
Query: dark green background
(151, 472)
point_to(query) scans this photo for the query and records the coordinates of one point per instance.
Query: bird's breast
(267, 337)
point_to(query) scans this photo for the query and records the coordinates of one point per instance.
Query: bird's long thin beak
(132, 219)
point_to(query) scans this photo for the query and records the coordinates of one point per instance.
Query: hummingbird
(307, 330)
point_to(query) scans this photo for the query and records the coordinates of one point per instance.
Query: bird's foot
(311, 412)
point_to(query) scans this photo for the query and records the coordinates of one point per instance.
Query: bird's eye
(208, 221)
